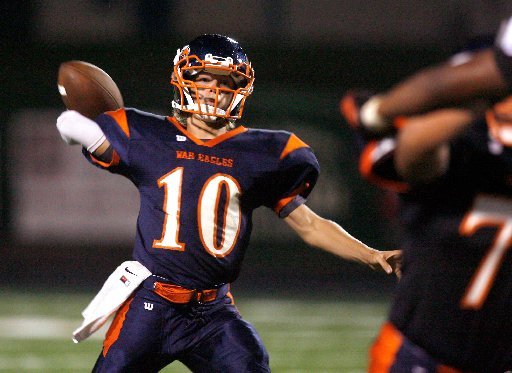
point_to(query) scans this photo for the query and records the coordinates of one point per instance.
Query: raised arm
(443, 85)
(483, 74)
(331, 237)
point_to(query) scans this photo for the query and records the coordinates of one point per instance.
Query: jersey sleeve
(503, 51)
(114, 125)
(376, 160)
(377, 165)
(295, 177)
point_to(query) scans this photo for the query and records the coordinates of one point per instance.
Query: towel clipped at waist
(119, 286)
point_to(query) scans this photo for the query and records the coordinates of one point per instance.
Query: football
(87, 89)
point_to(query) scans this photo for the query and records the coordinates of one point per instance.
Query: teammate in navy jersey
(200, 176)
(452, 169)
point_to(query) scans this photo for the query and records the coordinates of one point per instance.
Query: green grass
(301, 335)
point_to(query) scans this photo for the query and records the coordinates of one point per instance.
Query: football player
(452, 169)
(200, 175)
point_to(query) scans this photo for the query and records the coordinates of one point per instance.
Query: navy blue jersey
(197, 197)
(455, 295)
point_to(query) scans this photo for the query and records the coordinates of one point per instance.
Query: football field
(304, 335)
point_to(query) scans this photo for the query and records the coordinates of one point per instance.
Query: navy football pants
(149, 333)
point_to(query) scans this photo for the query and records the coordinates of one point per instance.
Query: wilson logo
(148, 306)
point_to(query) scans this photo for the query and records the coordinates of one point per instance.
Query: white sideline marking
(369, 317)
(40, 327)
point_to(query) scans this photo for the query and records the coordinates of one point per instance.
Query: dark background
(300, 77)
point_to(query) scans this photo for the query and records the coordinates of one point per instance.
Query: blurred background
(65, 225)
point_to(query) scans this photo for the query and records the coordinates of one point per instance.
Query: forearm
(327, 235)
(331, 237)
(417, 94)
(443, 85)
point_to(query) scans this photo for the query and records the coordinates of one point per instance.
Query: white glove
(370, 118)
(74, 129)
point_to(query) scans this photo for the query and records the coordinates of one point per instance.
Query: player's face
(212, 88)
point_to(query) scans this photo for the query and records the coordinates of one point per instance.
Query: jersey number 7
(487, 211)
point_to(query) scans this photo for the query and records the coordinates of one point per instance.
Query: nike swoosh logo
(127, 270)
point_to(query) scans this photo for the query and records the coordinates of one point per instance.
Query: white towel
(118, 287)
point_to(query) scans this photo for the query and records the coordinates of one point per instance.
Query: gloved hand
(74, 128)
(360, 111)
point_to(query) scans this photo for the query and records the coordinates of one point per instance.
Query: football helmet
(215, 54)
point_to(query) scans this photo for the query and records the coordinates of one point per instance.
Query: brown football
(87, 89)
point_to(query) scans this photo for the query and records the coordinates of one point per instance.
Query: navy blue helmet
(215, 54)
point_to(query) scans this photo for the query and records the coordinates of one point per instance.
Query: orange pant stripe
(116, 326)
(384, 349)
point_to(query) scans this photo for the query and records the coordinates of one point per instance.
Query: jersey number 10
(207, 213)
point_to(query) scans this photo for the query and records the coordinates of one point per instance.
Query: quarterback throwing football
(200, 176)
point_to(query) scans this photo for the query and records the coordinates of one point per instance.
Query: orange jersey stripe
(447, 369)
(293, 143)
(116, 326)
(349, 109)
(211, 142)
(283, 202)
(366, 171)
(225, 136)
(384, 350)
(120, 117)
(114, 162)
(366, 161)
